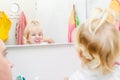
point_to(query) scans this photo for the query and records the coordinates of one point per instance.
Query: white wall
(28, 6)
(49, 62)
(54, 16)
(92, 4)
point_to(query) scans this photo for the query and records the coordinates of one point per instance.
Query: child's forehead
(36, 30)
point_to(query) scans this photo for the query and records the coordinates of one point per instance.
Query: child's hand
(48, 40)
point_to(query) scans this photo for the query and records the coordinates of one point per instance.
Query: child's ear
(79, 53)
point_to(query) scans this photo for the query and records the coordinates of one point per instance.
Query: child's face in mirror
(35, 36)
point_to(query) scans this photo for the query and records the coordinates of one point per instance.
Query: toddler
(33, 34)
(98, 45)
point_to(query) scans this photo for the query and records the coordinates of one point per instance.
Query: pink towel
(71, 28)
(118, 25)
(71, 24)
(20, 28)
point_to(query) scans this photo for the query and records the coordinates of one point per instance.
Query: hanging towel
(77, 22)
(20, 28)
(115, 6)
(5, 25)
(73, 23)
(118, 24)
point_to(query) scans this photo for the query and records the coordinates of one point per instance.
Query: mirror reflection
(57, 17)
(33, 34)
(53, 16)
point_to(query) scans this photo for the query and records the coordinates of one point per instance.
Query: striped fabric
(20, 29)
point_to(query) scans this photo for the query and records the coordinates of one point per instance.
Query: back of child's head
(34, 24)
(99, 42)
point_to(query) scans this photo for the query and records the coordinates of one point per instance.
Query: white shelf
(32, 45)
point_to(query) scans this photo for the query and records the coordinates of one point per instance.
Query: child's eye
(33, 34)
(40, 34)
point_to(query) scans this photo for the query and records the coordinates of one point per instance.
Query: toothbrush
(20, 77)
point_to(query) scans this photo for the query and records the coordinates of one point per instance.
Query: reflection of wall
(54, 16)
(92, 4)
(28, 6)
(49, 62)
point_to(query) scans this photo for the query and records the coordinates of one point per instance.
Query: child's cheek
(80, 54)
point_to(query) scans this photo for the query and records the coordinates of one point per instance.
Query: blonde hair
(112, 16)
(29, 27)
(99, 41)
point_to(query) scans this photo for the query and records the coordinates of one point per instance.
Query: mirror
(53, 15)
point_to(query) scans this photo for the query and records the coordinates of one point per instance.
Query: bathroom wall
(48, 62)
